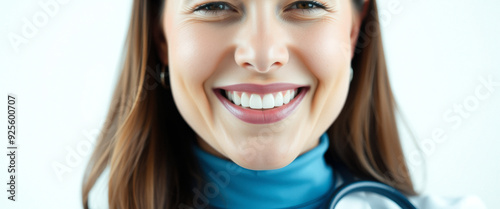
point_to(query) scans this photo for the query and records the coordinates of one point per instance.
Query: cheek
(329, 61)
(194, 54)
(192, 47)
(331, 55)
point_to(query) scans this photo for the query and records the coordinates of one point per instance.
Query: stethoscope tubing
(370, 186)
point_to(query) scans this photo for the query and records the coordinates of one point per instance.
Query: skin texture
(259, 42)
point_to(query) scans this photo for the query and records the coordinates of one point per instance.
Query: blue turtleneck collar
(304, 183)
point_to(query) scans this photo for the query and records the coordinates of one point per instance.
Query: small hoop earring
(164, 76)
(352, 74)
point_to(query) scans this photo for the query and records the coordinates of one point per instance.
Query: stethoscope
(351, 186)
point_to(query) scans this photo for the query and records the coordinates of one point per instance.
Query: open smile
(261, 104)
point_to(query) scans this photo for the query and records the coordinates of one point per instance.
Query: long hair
(365, 136)
(151, 168)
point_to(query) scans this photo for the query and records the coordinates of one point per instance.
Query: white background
(437, 52)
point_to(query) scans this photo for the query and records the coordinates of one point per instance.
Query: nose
(262, 44)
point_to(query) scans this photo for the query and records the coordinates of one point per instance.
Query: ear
(357, 19)
(160, 43)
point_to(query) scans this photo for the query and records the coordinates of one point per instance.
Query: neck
(302, 183)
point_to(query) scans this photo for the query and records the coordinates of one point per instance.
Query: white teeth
(278, 100)
(286, 98)
(255, 101)
(236, 99)
(245, 100)
(268, 101)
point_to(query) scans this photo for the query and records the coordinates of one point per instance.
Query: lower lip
(264, 116)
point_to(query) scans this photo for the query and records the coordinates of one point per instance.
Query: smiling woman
(263, 104)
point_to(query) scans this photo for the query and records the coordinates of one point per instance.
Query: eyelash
(203, 8)
(313, 3)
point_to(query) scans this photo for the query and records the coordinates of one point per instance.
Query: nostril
(247, 65)
(276, 65)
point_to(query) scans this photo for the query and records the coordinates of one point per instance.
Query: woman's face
(259, 81)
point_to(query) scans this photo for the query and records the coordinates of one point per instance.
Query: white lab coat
(98, 199)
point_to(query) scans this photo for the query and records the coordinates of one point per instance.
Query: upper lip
(261, 89)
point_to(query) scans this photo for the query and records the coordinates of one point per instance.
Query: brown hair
(150, 168)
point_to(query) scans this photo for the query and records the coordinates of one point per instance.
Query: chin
(264, 161)
(261, 153)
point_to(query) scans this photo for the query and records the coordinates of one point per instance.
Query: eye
(213, 8)
(307, 5)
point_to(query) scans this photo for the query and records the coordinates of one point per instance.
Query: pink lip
(263, 116)
(261, 89)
